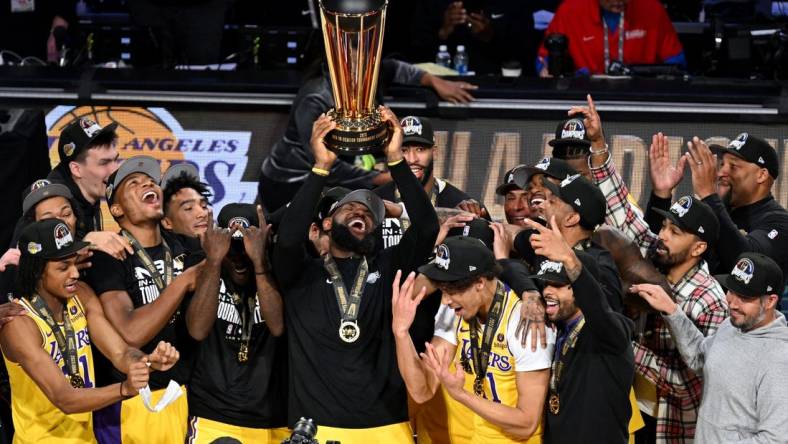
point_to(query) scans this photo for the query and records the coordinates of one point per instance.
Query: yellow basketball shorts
(129, 422)
(391, 434)
(205, 431)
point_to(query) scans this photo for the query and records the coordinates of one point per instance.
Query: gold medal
(554, 403)
(349, 331)
(77, 381)
(243, 354)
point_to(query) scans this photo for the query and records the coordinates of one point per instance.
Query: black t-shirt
(109, 274)
(597, 374)
(250, 394)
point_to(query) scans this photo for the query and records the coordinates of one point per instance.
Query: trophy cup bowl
(353, 37)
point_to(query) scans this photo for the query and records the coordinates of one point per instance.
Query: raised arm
(21, 342)
(256, 245)
(290, 250)
(201, 313)
(419, 380)
(419, 240)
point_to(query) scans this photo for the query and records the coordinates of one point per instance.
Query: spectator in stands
(492, 31)
(36, 21)
(288, 164)
(597, 30)
(748, 170)
(744, 363)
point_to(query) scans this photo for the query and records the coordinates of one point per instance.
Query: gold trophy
(353, 36)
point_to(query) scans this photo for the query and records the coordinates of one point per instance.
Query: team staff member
(598, 29)
(143, 298)
(186, 208)
(47, 351)
(342, 359)
(749, 170)
(237, 388)
(745, 362)
(516, 201)
(593, 366)
(507, 384)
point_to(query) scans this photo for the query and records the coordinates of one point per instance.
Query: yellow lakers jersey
(36, 419)
(500, 381)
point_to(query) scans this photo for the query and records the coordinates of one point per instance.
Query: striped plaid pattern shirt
(657, 359)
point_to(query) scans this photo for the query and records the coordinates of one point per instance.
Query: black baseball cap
(695, 216)
(176, 171)
(43, 189)
(549, 166)
(754, 150)
(49, 239)
(417, 130)
(138, 164)
(80, 135)
(477, 228)
(554, 272)
(582, 195)
(754, 275)
(242, 214)
(329, 198)
(508, 182)
(459, 257)
(372, 201)
(571, 131)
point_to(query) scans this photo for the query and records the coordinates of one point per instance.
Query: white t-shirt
(525, 360)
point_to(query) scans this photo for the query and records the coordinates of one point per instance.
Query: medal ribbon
(246, 312)
(348, 303)
(558, 364)
(481, 355)
(620, 42)
(68, 343)
(147, 262)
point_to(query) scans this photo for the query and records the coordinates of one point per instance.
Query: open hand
(664, 175)
(403, 304)
(438, 362)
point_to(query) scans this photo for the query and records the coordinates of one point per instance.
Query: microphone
(61, 41)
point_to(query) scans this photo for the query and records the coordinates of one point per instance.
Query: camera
(304, 432)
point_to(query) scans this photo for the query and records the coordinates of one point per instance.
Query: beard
(749, 322)
(664, 263)
(344, 239)
(427, 173)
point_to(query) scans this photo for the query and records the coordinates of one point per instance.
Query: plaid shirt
(657, 359)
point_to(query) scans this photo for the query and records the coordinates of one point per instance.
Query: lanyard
(620, 42)
(349, 330)
(480, 355)
(405, 223)
(67, 344)
(558, 364)
(147, 262)
(246, 312)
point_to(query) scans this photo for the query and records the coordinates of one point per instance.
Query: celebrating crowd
(404, 312)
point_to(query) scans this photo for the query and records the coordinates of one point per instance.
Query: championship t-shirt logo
(573, 129)
(743, 270)
(738, 142)
(411, 126)
(63, 237)
(682, 206)
(89, 127)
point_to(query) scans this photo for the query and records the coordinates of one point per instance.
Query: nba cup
(353, 36)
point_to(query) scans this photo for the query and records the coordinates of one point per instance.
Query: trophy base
(355, 136)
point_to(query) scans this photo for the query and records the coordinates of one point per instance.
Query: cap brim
(418, 140)
(720, 150)
(565, 142)
(109, 129)
(551, 278)
(735, 285)
(68, 251)
(435, 273)
(505, 188)
(673, 218)
(51, 190)
(556, 190)
(176, 171)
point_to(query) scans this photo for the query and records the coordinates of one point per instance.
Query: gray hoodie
(745, 380)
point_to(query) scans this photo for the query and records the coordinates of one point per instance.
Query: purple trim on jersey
(106, 424)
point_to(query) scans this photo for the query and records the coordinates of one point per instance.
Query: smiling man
(186, 208)
(745, 362)
(143, 297)
(516, 200)
(342, 359)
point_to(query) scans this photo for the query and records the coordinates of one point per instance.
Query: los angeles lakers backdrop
(228, 146)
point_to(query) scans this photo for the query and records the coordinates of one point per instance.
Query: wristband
(396, 162)
(600, 152)
(320, 171)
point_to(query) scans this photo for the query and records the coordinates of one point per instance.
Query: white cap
(443, 48)
(460, 47)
